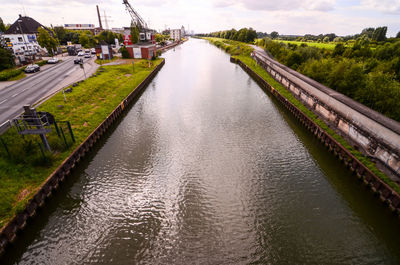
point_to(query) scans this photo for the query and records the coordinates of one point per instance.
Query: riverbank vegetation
(244, 56)
(369, 76)
(23, 166)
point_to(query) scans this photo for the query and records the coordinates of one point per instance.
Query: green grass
(328, 46)
(246, 59)
(230, 46)
(22, 174)
(98, 61)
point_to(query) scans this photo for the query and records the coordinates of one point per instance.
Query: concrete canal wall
(376, 135)
(9, 232)
(384, 192)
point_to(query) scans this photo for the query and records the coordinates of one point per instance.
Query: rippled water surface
(207, 169)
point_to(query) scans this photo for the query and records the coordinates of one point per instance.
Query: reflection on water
(207, 169)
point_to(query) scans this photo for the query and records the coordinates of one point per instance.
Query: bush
(8, 74)
(6, 59)
(124, 53)
(42, 62)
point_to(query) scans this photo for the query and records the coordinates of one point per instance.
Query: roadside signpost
(83, 68)
(105, 51)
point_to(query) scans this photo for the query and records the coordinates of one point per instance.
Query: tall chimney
(98, 14)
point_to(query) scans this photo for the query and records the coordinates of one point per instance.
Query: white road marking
(3, 101)
(15, 95)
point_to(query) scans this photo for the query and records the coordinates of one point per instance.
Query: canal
(206, 168)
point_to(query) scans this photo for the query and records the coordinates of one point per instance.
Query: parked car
(81, 53)
(78, 60)
(52, 60)
(88, 55)
(32, 68)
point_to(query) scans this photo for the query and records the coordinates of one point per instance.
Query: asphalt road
(34, 87)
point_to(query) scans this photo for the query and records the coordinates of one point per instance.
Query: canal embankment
(376, 135)
(379, 182)
(170, 46)
(206, 166)
(28, 178)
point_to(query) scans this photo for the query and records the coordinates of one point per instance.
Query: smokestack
(98, 14)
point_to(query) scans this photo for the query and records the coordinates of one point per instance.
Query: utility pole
(98, 14)
(23, 37)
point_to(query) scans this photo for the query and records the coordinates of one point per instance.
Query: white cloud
(284, 16)
(386, 6)
(320, 5)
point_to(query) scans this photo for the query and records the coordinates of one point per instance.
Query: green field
(328, 46)
(24, 169)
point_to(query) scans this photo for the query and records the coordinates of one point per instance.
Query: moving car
(32, 68)
(52, 60)
(81, 53)
(88, 55)
(93, 51)
(78, 60)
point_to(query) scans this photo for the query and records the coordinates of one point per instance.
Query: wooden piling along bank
(19, 222)
(385, 193)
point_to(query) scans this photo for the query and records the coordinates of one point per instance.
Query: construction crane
(144, 33)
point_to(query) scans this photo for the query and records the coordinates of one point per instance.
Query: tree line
(373, 34)
(244, 35)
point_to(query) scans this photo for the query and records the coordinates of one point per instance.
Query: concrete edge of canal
(19, 222)
(382, 191)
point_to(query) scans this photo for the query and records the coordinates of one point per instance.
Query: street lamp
(23, 37)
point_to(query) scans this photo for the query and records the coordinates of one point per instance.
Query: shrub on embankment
(246, 59)
(24, 170)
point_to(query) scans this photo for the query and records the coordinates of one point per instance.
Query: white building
(176, 34)
(183, 32)
(20, 43)
(21, 37)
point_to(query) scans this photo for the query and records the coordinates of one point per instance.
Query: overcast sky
(343, 17)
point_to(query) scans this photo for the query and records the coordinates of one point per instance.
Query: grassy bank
(24, 169)
(245, 58)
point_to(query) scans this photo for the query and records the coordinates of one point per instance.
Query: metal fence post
(57, 130)
(5, 147)
(65, 140)
(70, 131)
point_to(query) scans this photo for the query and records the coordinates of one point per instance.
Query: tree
(60, 34)
(326, 39)
(134, 33)
(84, 40)
(274, 34)
(2, 26)
(339, 50)
(6, 59)
(124, 53)
(379, 34)
(398, 35)
(338, 39)
(368, 32)
(45, 40)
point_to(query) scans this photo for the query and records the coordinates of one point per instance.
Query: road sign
(104, 49)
